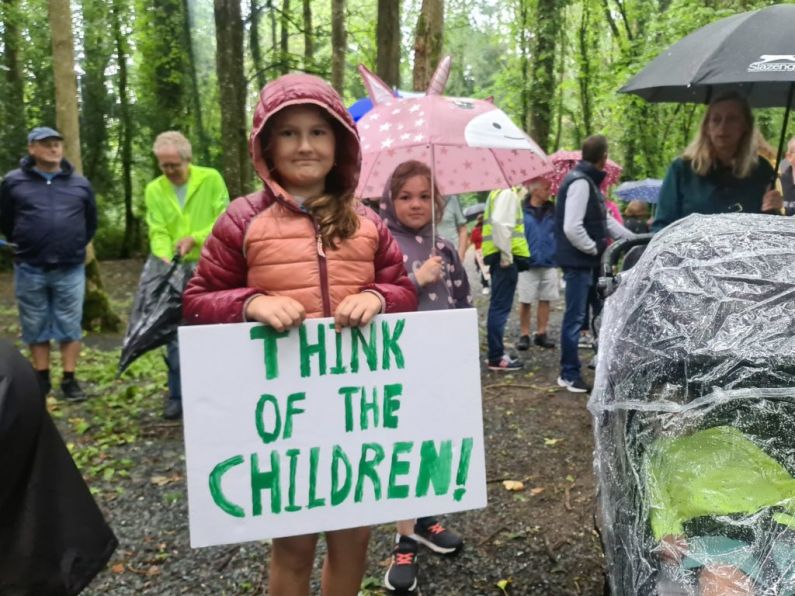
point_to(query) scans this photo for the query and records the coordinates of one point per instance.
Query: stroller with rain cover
(694, 411)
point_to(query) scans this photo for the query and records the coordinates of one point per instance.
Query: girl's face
(302, 150)
(413, 203)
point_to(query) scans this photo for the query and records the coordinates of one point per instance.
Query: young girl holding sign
(302, 247)
(441, 282)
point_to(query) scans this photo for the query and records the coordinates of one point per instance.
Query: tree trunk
(284, 46)
(524, 52)
(428, 42)
(542, 90)
(63, 65)
(196, 104)
(338, 44)
(584, 76)
(254, 43)
(387, 63)
(232, 94)
(131, 223)
(14, 129)
(309, 42)
(96, 306)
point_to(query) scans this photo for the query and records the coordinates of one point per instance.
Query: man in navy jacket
(49, 212)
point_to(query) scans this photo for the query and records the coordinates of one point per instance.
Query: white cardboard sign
(311, 430)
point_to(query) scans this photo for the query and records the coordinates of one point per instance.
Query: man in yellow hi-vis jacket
(505, 252)
(181, 208)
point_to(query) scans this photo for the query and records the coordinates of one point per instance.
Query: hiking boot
(575, 386)
(506, 364)
(523, 343)
(402, 572)
(542, 341)
(71, 390)
(440, 540)
(173, 409)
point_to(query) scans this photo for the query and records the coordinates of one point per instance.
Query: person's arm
(669, 203)
(218, 292)
(573, 228)
(391, 282)
(617, 231)
(460, 221)
(161, 244)
(6, 211)
(503, 221)
(219, 196)
(463, 241)
(90, 213)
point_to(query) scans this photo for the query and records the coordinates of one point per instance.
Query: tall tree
(12, 133)
(63, 64)
(120, 15)
(97, 101)
(232, 94)
(255, 16)
(164, 72)
(96, 307)
(584, 59)
(309, 42)
(339, 42)
(200, 134)
(542, 88)
(387, 63)
(284, 45)
(428, 42)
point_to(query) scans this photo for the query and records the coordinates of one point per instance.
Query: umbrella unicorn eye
(493, 129)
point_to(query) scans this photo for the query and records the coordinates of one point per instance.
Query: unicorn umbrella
(469, 144)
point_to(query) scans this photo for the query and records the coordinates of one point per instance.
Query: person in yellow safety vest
(505, 252)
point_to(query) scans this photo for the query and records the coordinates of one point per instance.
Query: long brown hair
(409, 169)
(701, 153)
(334, 211)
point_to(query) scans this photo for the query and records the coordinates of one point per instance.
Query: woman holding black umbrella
(721, 170)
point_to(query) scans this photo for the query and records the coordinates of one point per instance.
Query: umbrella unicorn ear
(439, 78)
(378, 91)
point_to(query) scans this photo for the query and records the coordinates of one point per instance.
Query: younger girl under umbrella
(441, 282)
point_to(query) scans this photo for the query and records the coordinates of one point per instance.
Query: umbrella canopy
(470, 144)
(750, 52)
(473, 211)
(647, 190)
(563, 161)
(157, 309)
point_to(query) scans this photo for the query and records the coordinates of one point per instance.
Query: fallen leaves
(513, 485)
(551, 442)
(503, 585)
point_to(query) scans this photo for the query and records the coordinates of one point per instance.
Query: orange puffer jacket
(285, 258)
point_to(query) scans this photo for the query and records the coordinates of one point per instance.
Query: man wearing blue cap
(48, 211)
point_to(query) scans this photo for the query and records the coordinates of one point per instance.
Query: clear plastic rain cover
(694, 411)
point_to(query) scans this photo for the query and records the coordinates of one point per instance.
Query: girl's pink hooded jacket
(266, 244)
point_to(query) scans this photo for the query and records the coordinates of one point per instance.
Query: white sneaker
(485, 291)
(576, 386)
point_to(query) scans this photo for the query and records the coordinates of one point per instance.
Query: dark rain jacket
(50, 221)
(53, 538)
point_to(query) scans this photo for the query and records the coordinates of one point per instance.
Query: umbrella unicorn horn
(439, 78)
(378, 91)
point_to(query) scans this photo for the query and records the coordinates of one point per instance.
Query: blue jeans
(503, 287)
(578, 283)
(172, 362)
(50, 302)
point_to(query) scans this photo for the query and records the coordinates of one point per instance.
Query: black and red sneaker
(402, 573)
(429, 531)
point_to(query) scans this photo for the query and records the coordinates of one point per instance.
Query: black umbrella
(752, 53)
(157, 309)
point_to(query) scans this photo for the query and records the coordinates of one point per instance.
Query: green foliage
(111, 418)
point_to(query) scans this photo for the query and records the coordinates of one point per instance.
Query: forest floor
(539, 540)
